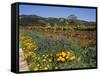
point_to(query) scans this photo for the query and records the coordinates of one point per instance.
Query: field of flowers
(46, 53)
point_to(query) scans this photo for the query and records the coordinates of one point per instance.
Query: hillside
(35, 20)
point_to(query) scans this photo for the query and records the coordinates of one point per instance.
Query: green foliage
(90, 56)
(72, 19)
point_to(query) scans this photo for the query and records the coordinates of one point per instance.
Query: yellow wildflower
(47, 55)
(44, 59)
(72, 58)
(50, 60)
(63, 54)
(38, 58)
(30, 53)
(68, 54)
(35, 48)
(56, 67)
(58, 59)
(62, 59)
(35, 69)
(22, 37)
(38, 65)
(57, 54)
(29, 46)
(48, 65)
(67, 57)
(43, 55)
(51, 54)
(46, 68)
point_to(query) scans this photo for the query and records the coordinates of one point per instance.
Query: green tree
(72, 19)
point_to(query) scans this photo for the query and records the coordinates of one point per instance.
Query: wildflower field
(45, 50)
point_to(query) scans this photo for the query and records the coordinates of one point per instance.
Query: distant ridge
(36, 20)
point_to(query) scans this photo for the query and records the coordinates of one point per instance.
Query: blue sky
(63, 12)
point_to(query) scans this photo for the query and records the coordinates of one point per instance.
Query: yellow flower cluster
(37, 68)
(27, 54)
(28, 46)
(28, 43)
(65, 56)
(45, 58)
